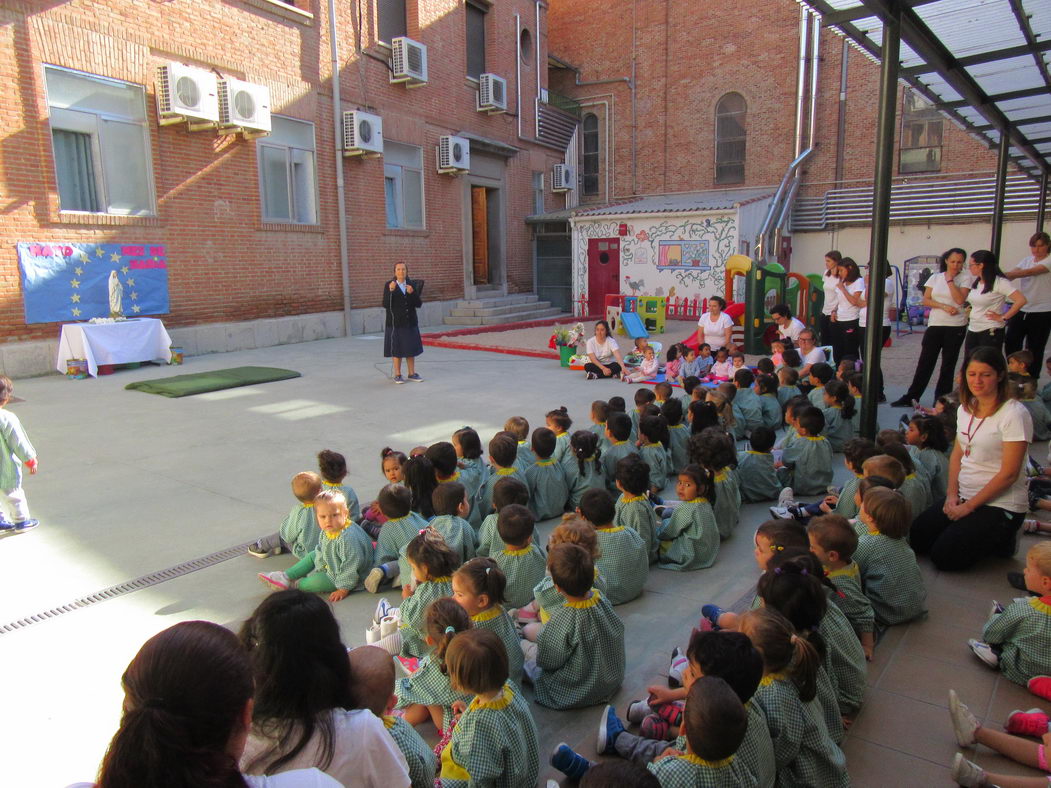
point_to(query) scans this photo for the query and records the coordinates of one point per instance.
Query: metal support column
(878, 264)
(1000, 194)
(1041, 206)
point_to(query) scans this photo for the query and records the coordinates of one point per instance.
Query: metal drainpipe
(804, 19)
(341, 197)
(518, 73)
(841, 131)
(536, 41)
(815, 60)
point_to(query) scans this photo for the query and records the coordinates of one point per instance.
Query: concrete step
(518, 317)
(497, 300)
(505, 309)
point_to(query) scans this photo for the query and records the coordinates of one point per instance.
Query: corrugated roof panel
(1038, 130)
(1032, 107)
(968, 27)
(1039, 12)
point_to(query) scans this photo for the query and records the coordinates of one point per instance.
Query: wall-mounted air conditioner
(492, 94)
(408, 62)
(454, 155)
(562, 178)
(362, 134)
(187, 94)
(244, 108)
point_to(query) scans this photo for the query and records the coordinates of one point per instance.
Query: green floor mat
(216, 380)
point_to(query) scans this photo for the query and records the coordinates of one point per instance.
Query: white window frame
(396, 172)
(293, 195)
(84, 121)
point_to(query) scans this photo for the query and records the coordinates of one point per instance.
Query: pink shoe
(1040, 686)
(654, 727)
(1027, 723)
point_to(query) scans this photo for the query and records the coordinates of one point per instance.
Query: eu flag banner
(79, 281)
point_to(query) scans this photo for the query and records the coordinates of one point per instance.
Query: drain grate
(127, 587)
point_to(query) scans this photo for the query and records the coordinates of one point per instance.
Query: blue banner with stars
(71, 281)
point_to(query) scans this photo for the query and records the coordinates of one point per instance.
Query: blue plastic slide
(633, 326)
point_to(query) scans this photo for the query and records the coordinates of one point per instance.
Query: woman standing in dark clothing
(401, 332)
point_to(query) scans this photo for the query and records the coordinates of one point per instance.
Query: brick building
(249, 224)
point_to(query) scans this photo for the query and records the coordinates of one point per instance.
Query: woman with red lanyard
(986, 498)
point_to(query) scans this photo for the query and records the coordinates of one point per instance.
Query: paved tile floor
(133, 483)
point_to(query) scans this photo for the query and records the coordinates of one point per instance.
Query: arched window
(589, 158)
(730, 138)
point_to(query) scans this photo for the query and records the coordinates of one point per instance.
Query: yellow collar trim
(818, 438)
(651, 445)
(676, 426)
(396, 519)
(1038, 604)
(454, 478)
(619, 443)
(560, 434)
(911, 476)
(332, 484)
(504, 471)
(710, 764)
(850, 570)
(487, 615)
(768, 394)
(521, 443)
(443, 579)
(760, 453)
(308, 506)
(625, 498)
(545, 463)
(591, 601)
(872, 531)
(388, 721)
(613, 529)
(334, 535)
(770, 678)
(502, 702)
(722, 476)
(510, 551)
(698, 499)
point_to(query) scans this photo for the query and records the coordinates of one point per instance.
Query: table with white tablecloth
(123, 342)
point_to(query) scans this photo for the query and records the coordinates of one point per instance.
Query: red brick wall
(224, 263)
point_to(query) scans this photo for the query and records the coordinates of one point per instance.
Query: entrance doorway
(485, 234)
(603, 272)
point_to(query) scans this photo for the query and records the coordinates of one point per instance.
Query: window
(589, 154)
(538, 192)
(403, 185)
(390, 20)
(287, 178)
(525, 45)
(730, 138)
(475, 39)
(921, 135)
(100, 142)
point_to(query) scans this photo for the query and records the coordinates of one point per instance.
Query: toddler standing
(15, 451)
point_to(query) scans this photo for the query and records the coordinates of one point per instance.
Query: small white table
(139, 339)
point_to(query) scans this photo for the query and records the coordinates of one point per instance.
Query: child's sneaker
(783, 512)
(26, 525)
(277, 581)
(967, 773)
(398, 379)
(984, 652)
(675, 668)
(567, 761)
(1040, 686)
(1027, 723)
(654, 727)
(711, 614)
(786, 498)
(6, 525)
(609, 728)
(1030, 526)
(964, 724)
(373, 579)
(383, 609)
(637, 711)
(256, 550)
(995, 609)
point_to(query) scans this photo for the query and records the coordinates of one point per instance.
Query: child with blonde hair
(15, 451)
(689, 539)
(889, 572)
(518, 428)
(299, 531)
(724, 407)
(646, 370)
(787, 379)
(478, 587)
(333, 469)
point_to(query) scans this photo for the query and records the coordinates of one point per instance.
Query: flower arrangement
(566, 337)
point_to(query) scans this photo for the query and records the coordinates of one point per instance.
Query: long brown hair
(991, 357)
(783, 651)
(185, 693)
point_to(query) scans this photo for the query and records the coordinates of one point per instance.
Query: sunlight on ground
(440, 431)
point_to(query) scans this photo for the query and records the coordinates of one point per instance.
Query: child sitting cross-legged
(580, 650)
(582, 465)
(622, 558)
(478, 587)
(678, 434)
(299, 530)
(451, 507)
(653, 448)
(766, 391)
(373, 672)
(715, 450)
(545, 478)
(755, 468)
(833, 542)
(342, 557)
(401, 525)
(506, 491)
(889, 573)
(618, 433)
(502, 453)
(838, 410)
(633, 509)
(689, 538)
(572, 530)
(806, 463)
(332, 466)
(521, 561)
(495, 739)
(473, 469)
(391, 464)
(855, 452)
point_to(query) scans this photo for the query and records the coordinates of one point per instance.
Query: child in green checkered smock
(769, 405)
(559, 422)
(927, 443)
(418, 755)
(1021, 635)
(747, 409)
(838, 409)
(16, 450)
(495, 741)
(787, 388)
(427, 691)
(502, 453)
(715, 723)
(618, 432)
(633, 508)
(479, 587)
(678, 437)
(833, 541)
(451, 506)
(623, 560)
(807, 462)
(599, 412)
(755, 468)
(332, 466)
(395, 534)
(889, 572)
(804, 752)
(582, 466)
(299, 530)
(715, 450)
(580, 651)
(506, 491)
(654, 450)
(546, 480)
(546, 598)
(727, 506)
(689, 539)
(521, 561)
(845, 504)
(472, 467)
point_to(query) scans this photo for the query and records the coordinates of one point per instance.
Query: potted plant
(566, 340)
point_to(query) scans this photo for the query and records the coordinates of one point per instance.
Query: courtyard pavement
(132, 483)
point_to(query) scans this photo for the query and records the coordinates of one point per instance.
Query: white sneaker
(383, 609)
(964, 723)
(786, 498)
(967, 773)
(373, 580)
(995, 609)
(277, 581)
(372, 634)
(389, 625)
(984, 652)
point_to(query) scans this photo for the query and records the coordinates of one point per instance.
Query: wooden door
(480, 235)
(603, 272)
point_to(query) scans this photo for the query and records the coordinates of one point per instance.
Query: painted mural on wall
(678, 256)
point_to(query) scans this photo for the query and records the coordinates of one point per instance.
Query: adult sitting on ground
(715, 327)
(187, 710)
(304, 712)
(604, 359)
(986, 497)
(809, 353)
(788, 327)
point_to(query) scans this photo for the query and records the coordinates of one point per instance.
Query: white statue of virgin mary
(116, 296)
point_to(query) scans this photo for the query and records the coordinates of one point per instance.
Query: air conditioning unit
(492, 94)
(562, 178)
(408, 62)
(187, 93)
(454, 154)
(244, 108)
(362, 134)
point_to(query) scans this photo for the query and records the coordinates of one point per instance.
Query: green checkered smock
(581, 654)
(497, 620)
(428, 686)
(610, 457)
(493, 744)
(549, 598)
(299, 529)
(600, 430)
(917, 493)
(748, 412)
(756, 752)
(561, 446)
(395, 534)
(851, 599)
(523, 569)
(727, 506)
(348, 492)
(421, 759)
(755, 470)
(838, 430)
(891, 578)
(1023, 631)
(690, 537)
(804, 754)
(524, 458)
(828, 702)
(844, 660)
(413, 612)
(845, 506)
(548, 489)
(636, 512)
(457, 533)
(808, 465)
(16, 448)
(580, 483)
(692, 771)
(936, 464)
(489, 541)
(484, 502)
(345, 559)
(785, 393)
(817, 397)
(624, 562)
(1038, 413)
(678, 437)
(771, 411)
(656, 456)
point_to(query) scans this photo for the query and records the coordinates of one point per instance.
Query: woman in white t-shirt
(986, 498)
(944, 294)
(988, 293)
(830, 289)
(187, 710)
(888, 302)
(715, 328)
(1033, 325)
(604, 359)
(845, 326)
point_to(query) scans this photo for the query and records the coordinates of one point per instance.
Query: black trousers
(614, 369)
(1031, 329)
(846, 344)
(994, 338)
(884, 336)
(824, 327)
(937, 340)
(954, 545)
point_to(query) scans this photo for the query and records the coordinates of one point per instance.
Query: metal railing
(564, 103)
